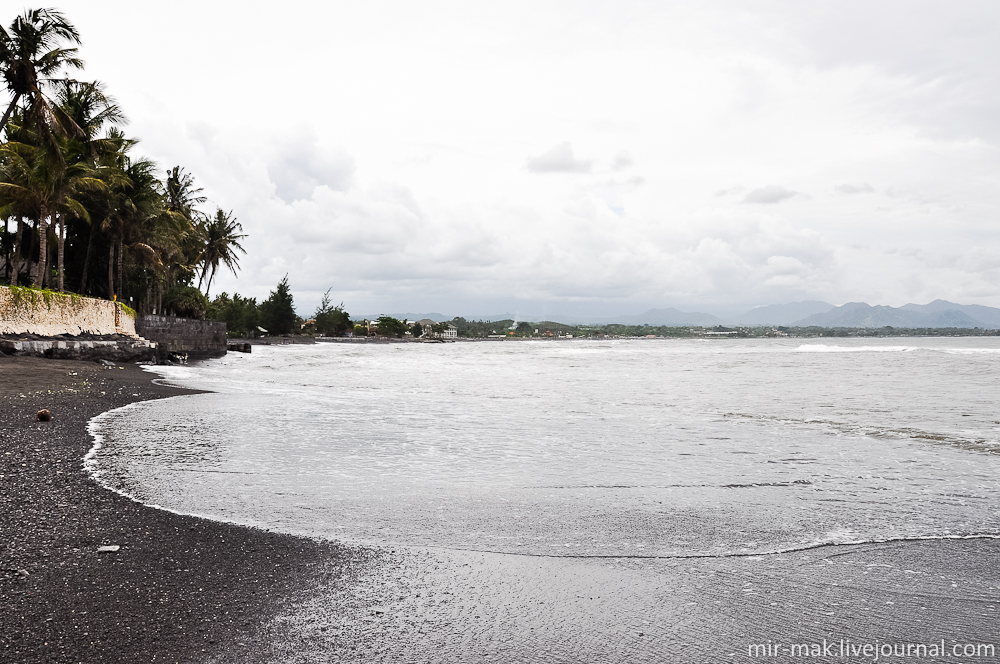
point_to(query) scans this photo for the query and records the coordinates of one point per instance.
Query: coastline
(186, 589)
(180, 589)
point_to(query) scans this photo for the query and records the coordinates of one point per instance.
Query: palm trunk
(62, 254)
(121, 285)
(38, 278)
(210, 279)
(16, 257)
(86, 262)
(10, 252)
(7, 113)
(111, 271)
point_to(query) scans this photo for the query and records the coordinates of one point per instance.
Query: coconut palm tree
(222, 242)
(31, 56)
(182, 195)
(23, 190)
(20, 195)
(91, 109)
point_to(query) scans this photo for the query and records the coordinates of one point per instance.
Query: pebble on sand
(111, 548)
(44, 415)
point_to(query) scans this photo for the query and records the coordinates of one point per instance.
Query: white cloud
(402, 154)
(769, 195)
(558, 159)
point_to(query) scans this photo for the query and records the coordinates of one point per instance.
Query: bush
(186, 301)
(238, 313)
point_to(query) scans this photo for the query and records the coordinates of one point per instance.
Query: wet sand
(452, 606)
(182, 589)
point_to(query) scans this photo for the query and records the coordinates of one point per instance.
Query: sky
(580, 158)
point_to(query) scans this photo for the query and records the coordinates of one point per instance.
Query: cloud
(863, 188)
(769, 195)
(559, 159)
(299, 164)
(622, 161)
(406, 191)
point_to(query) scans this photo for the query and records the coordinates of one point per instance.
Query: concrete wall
(183, 335)
(25, 311)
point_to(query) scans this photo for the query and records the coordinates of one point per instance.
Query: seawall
(48, 314)
(201, 338)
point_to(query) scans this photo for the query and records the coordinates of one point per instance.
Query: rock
(44, 415)
(111, 548)
(22, 573)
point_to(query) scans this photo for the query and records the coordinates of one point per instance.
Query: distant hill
(437, 318)
(988, 316)
(780, 314)
(860, 314)
(667, 317)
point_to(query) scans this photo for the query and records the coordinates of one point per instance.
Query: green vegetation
(240, 314)
(331, 321)
(277, 312)
(78, 204)
(526, 329)
(25, 296)
(391, 327)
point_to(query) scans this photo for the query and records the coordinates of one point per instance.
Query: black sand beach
(180, 589)
(183, 589)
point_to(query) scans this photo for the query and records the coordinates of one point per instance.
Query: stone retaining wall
(183, 335)
(117, 350)
(27, 311)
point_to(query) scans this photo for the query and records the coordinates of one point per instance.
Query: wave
(823, 348)
(972, 444)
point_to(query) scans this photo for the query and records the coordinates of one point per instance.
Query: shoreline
(187, 589)
(179, 589)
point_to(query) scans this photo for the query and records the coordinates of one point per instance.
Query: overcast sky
(585, 158)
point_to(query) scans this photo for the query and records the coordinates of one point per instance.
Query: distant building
(427, 329)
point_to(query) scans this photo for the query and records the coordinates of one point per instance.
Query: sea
(581, 451)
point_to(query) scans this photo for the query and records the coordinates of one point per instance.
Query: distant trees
(391, 327)
(417, 330)
(240, 314)
(277, 312)
(331, 321)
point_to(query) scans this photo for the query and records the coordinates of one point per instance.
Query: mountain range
(937, 314)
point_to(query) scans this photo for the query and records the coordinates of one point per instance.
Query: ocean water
(585, 449)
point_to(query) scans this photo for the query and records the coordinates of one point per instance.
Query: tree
(240, 314)
(182, 195)
(417, 330)
(523, 328)
(277, 312)
(331, 321)
(30, 58)
(222, 241)
(186, 301)
(90, 109)
(391, 327)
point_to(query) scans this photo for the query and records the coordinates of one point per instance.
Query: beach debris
(107, 363)
(44, 415)
(111, 548)
(22, 573)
